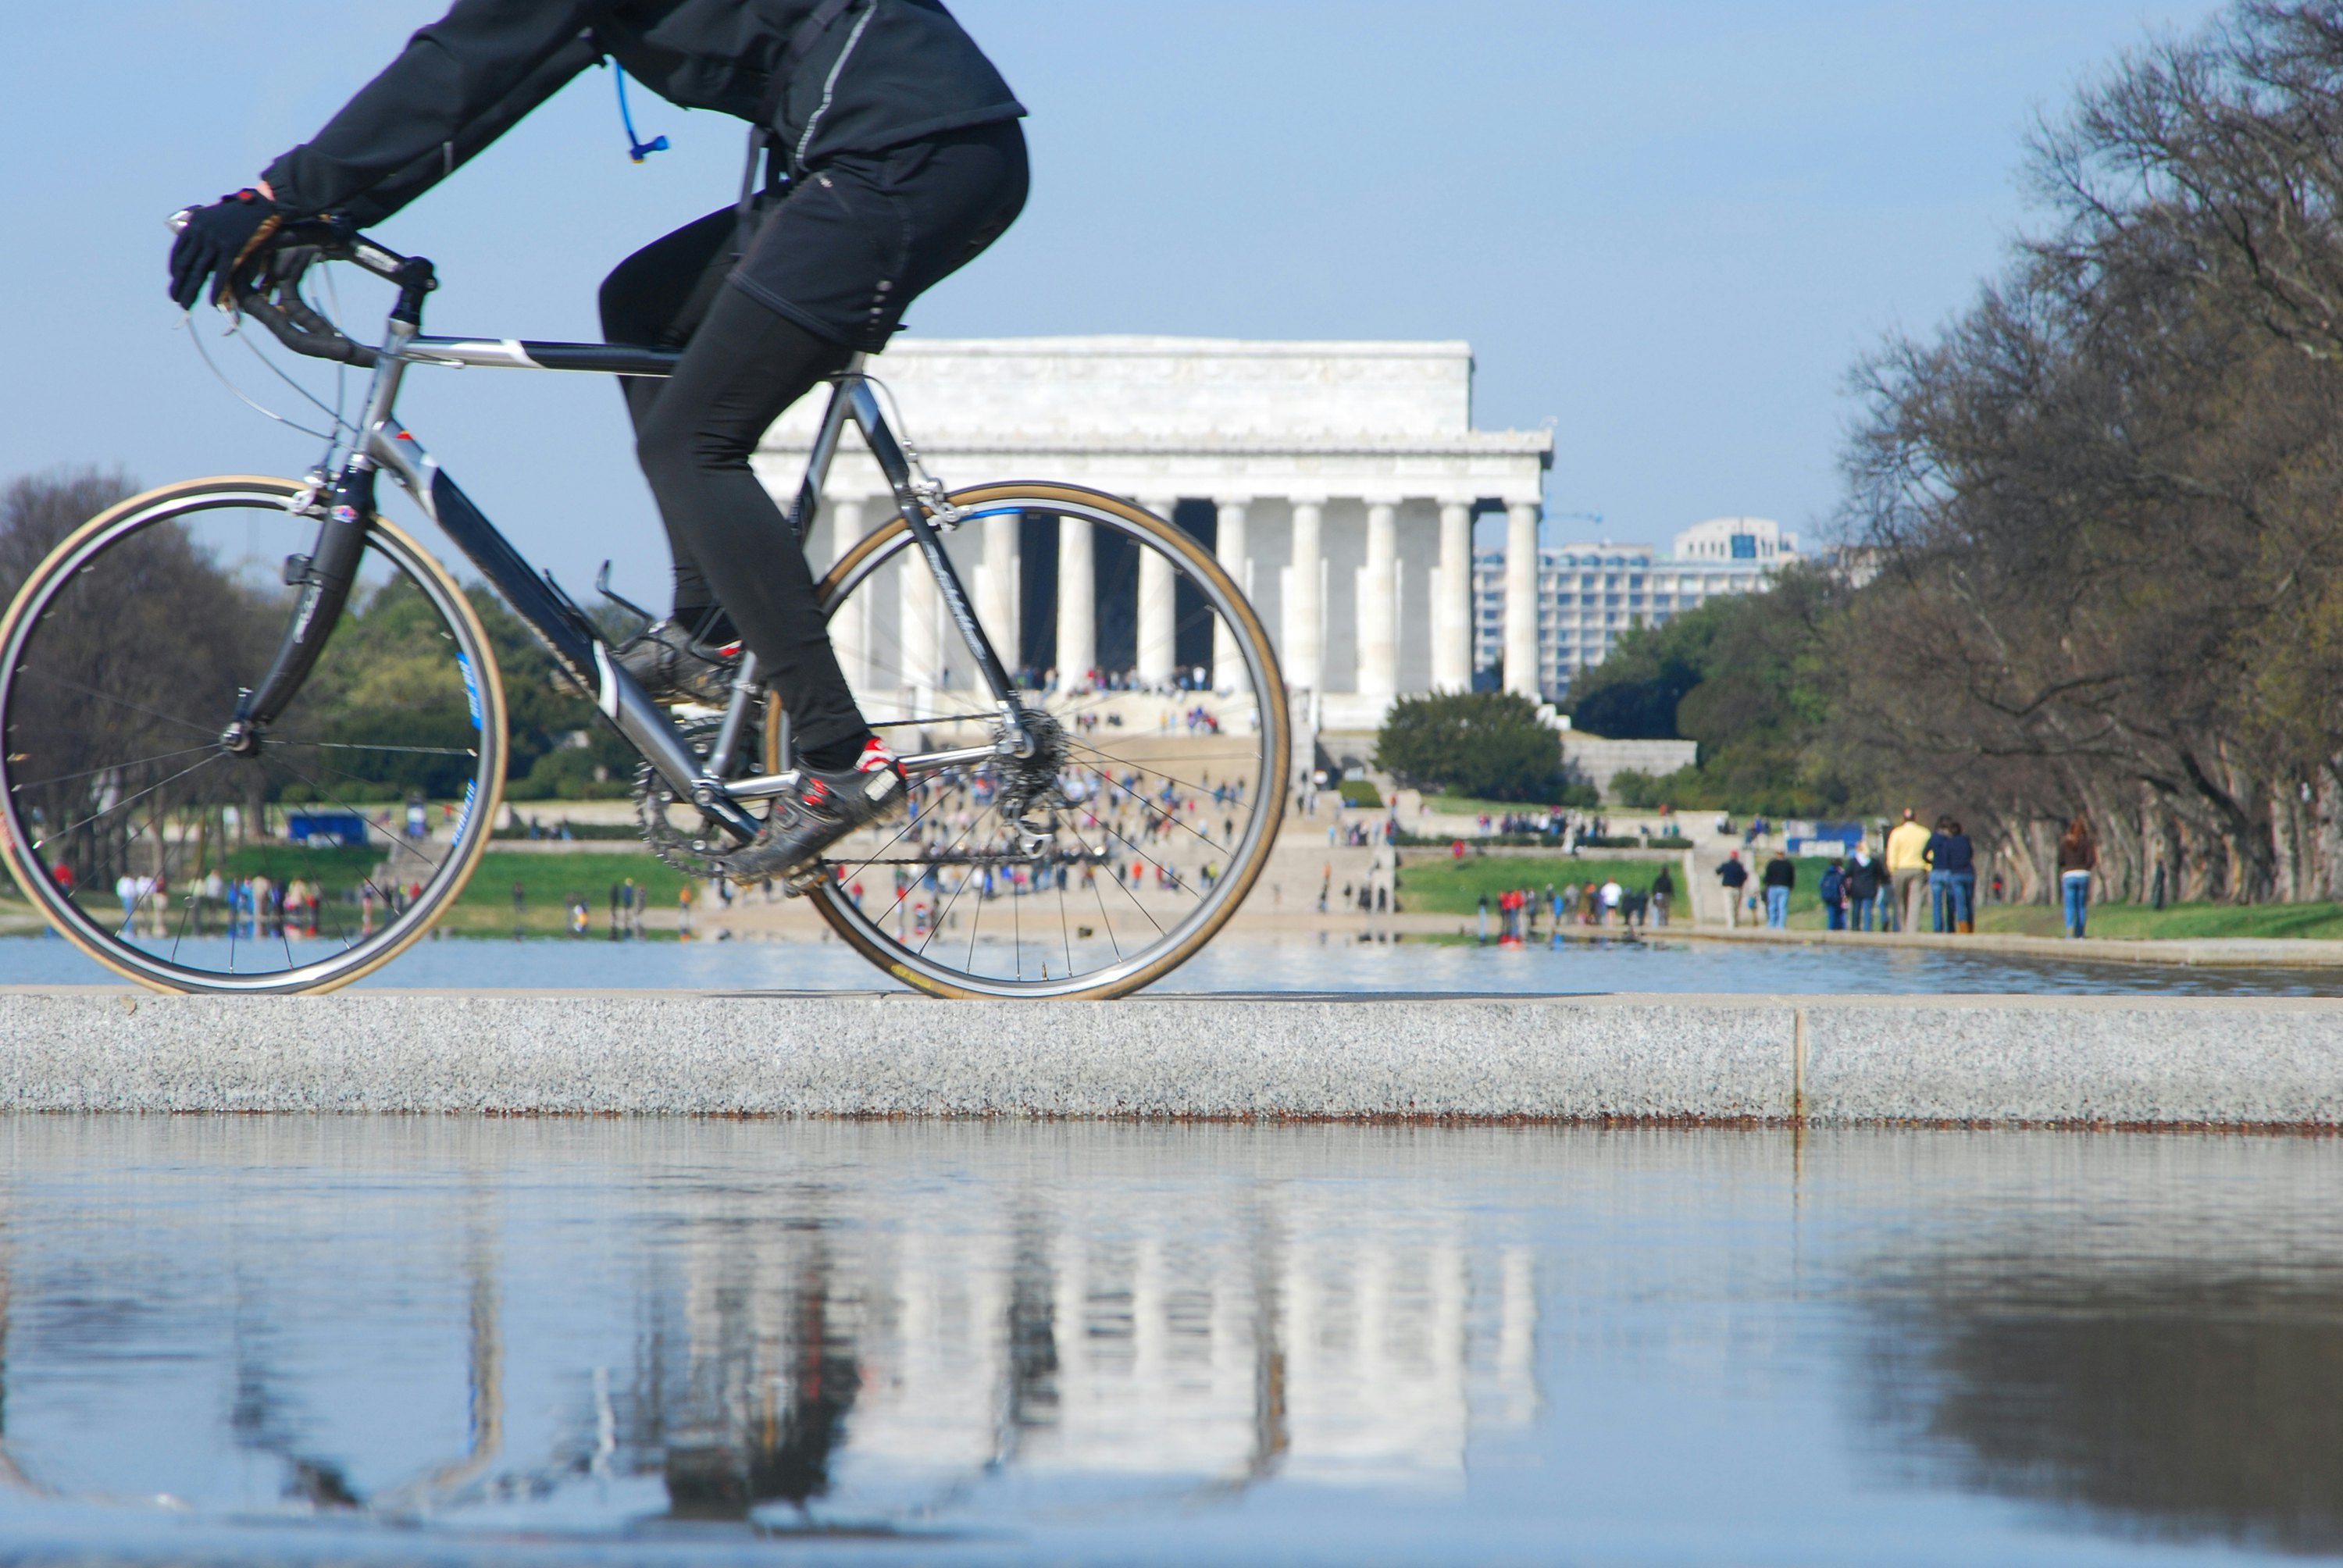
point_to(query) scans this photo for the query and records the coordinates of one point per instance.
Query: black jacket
(1950, 852)
(884, 72)
(1781, 874)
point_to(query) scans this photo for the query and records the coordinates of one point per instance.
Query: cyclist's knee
(674, 445)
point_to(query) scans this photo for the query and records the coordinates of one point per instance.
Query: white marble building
(1337, 481)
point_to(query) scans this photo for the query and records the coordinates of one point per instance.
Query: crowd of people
(1608, 903)
(255, 905)
(1125, 828)
(1924, 878)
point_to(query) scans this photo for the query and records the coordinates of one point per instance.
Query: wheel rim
(1167, 801)
(192, 869)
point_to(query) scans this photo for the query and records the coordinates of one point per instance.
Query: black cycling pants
(829, 270)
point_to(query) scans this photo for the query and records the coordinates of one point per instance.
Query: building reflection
(778, 1365)
(2179, 1404)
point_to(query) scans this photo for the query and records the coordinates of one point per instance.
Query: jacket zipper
(829, 85)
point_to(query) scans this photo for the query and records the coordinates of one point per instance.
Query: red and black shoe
(819, 810)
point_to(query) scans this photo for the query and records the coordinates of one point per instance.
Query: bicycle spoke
(336, 800)
(110, 768)
(1136, 765)
(122, 702)
(48, 839)
(968, 875)
(1106, 920)
(1146, 805)
(406, 750)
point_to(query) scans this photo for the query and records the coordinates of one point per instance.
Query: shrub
(1488, 744)
(1361, 792)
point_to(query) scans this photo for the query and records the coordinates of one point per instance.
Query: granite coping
(2097, 1061)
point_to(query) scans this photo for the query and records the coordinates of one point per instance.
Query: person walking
(1611, 892)
(1736, 877)
(1664, 892)
(1952, 877)
(2078, 856)
(1863, 878)
(1833, 889)
(1907, 873)
(1781, 876)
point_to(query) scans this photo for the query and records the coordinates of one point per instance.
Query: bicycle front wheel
(1153, 800)
(188, 868)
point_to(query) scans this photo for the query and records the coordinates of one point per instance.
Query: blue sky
(1669, 229)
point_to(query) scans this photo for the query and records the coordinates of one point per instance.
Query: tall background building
(1589, 594)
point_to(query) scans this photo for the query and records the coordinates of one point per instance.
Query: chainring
(655, 799)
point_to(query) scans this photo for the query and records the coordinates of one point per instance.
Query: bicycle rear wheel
(186, 868)
(1114, 855)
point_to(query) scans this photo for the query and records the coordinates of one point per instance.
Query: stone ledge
(2122, 1061)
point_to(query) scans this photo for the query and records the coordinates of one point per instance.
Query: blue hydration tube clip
(636, 148)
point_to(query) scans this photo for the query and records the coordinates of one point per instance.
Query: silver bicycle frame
(647, 726)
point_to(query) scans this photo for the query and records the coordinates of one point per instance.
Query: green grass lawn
(2175, 923)
(550, 882)
(1430, 883)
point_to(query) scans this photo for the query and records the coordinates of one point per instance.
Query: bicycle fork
(325, 576)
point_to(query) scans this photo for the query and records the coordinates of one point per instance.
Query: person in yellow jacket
(1907, 866)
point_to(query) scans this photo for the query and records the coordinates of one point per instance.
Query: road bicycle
(213, 694)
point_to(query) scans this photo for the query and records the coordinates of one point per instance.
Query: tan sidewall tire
(43, 897)
(1277, 764)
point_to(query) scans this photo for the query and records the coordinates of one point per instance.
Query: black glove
(217, 240)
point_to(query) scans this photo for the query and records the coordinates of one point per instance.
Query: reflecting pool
(375, 1340)
(1248, 962)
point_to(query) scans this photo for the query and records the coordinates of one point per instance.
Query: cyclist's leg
(658, 296)
(833, 269)
(744, 366)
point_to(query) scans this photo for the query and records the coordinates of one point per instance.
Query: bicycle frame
(347, 498)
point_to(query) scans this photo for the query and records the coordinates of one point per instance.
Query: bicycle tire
(1259, 659)
(84, 551)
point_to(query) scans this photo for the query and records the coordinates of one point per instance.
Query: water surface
(362, 1340)
(1245, 962)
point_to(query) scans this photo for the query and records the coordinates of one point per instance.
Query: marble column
(849, 625)
(1305, 599)
(1522, 598)
(1229, 549)
(1378, 608)
(1451, 601)
(1157, 607)
(920, 672)
(996, 588)
(1077, 603)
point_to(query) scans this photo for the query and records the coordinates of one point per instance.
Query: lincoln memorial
(1338, 482)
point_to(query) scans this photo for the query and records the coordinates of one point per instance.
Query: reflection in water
(1173, 1343)
(1095, 1333)
(2178, 1403)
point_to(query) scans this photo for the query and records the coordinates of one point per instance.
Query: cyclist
(892, 157)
